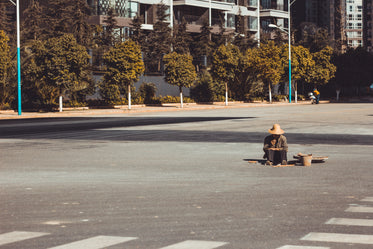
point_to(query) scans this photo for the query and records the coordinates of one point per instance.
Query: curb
(85, 111)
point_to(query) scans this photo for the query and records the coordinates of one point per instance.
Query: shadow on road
(109, 129)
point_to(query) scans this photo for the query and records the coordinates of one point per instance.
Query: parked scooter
(312, 98)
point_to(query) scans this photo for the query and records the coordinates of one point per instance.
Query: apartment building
(368, 24)
(253, 14)
(354, 23)
(327, 14)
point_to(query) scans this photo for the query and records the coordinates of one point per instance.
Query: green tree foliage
(109, 36)
(312, 37)
(124, 66)
(202, 45)
(137, 33)
(6, 86)
(5, 22)
(33, 26)
(224, 64)
(179, 71)
(354, 69)
(203, 89)
(147, 92)
(58, 66)
(302, 64)
(158, 42)
(75, 20)
(269, 65)
(323, 70)
(245, 76)
(181, 39)
(48, 19)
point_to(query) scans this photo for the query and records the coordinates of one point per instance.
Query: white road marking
(302, 247)
(350, 222)
(340, 238)
(15, 236)
(360, 209)
(95, 242)
(196, 244)
(367, 199)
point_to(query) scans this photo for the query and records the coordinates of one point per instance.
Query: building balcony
(225, 5)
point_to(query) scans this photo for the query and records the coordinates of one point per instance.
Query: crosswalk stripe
(367, 199)
(15, 236)
(360, 209)
(195, 244)
(95, 242)
(350, 222)
(302, 247)
(340, 238)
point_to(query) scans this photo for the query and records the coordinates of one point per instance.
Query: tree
(6, 87)
(203, 90)
(75, 19)
(179, 71)
(158, 41)
(312, 37)
(354, 69)
(5, 22)
(34, 22)
(323, 70)
(58, 66)
(301, 64)
(203, 46)
(124, 66)
(181, 38)
(109, 36)
(269, 64)
(137, 32)
(224, 64)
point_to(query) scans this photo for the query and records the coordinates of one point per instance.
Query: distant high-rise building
(354, 23)
(368, 24)
(327, 14)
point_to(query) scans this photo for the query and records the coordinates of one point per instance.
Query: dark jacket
(280, 143)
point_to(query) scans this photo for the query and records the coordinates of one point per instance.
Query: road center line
(15, 236)
(95, 242)
(194, 244)
(340, 238)
(350, 222)
(360, 209)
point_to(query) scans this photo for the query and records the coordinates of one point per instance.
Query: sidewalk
(70, 112)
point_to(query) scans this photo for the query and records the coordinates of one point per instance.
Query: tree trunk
(270, 93)
(129, 97)
(60, 103)
(226, 94)
(296, 92)
(181, 97)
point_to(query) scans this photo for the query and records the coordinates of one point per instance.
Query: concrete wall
(163, 88)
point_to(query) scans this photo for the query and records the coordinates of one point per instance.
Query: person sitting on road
(275, 146)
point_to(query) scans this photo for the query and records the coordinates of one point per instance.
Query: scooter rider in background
(317, 95)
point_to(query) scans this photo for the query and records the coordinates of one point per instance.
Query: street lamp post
(18, 57)
(287, 31)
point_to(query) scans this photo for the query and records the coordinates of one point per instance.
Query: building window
(231, 21)
(252, 22)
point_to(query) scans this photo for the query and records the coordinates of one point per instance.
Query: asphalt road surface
(182, 180)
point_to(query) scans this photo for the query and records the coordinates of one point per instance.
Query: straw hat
(276, 130)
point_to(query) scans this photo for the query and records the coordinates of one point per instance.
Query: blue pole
(19, 80)
(289, 80)
(18, 61)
